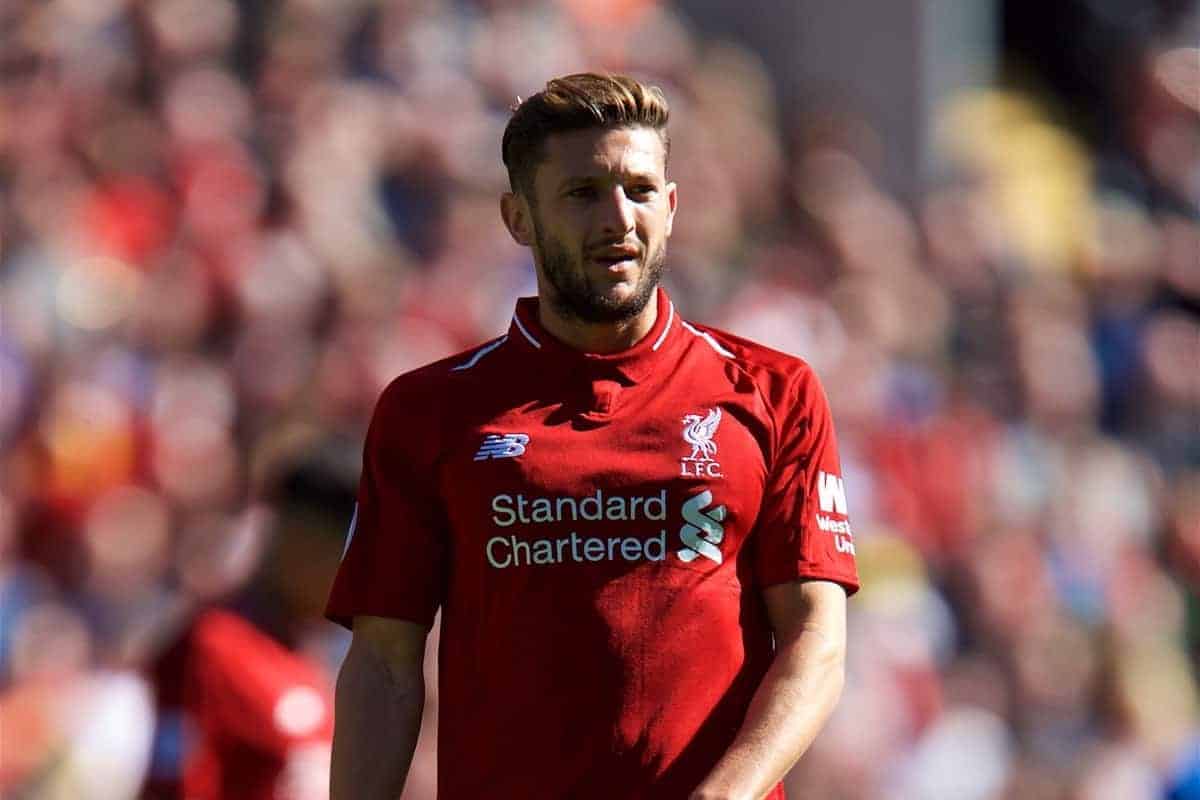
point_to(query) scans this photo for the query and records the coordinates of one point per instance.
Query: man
(633, 526)
(241, 713)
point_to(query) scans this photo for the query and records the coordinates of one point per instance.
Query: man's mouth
(616, 260)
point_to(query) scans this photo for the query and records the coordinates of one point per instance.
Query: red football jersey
(597, 530)
(240, 717)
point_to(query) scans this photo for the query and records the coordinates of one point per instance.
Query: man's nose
(617, 210)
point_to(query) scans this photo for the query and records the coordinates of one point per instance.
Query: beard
(577, 295)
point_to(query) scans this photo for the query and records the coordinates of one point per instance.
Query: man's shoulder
(419, 407)
(755, 357)
(447, 377)
(786, 382)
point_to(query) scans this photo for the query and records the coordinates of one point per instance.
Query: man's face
(600, 217)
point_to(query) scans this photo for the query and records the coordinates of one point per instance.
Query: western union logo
(831, 493)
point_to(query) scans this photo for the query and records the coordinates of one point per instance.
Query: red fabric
(586, 654)
(248, 702)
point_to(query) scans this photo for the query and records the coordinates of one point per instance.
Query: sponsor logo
(699, 432)
(831, 497)
(702, 531)
(508, 509)
(502, 445)
(831, 493)
(832, 525)
(701, 534)
(509, 551)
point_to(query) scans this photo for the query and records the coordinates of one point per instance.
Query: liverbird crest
(699, 431)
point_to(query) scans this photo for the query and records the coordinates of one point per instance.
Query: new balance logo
(502, 445)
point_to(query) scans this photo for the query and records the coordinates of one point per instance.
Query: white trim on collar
(526, 333)
(666, 329)
(713, 343)
(480, 353)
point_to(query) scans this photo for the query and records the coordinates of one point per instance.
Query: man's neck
(598, 337)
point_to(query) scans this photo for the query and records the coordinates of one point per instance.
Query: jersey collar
(653, 351)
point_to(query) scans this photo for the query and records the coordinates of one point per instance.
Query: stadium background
(225, 225)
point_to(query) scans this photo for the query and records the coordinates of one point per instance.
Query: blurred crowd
(225, 226)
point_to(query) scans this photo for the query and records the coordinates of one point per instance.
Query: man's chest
(669, 483)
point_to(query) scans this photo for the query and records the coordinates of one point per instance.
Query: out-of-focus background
(225, 225)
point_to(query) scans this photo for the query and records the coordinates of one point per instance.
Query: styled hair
(573, 103)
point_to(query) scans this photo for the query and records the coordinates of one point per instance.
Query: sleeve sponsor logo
(831, 493)
(831, 498)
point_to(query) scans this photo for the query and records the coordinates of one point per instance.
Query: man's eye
(582, 192)
(644, 189)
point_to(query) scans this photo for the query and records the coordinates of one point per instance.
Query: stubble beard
(576, 294)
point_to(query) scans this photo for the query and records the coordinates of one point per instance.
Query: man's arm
(796, 696)
(377, 709)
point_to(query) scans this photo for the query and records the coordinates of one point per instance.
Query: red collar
(653, 351)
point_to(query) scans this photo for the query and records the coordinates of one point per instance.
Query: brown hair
(572, 103)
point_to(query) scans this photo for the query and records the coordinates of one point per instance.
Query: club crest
(699, 432)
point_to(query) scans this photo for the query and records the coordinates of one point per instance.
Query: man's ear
(514, 209)
(672, 204)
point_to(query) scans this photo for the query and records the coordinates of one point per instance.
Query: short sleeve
(394, 561)
(803, 529)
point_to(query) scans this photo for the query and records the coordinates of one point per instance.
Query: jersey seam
(740, 361)
(479, 353)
